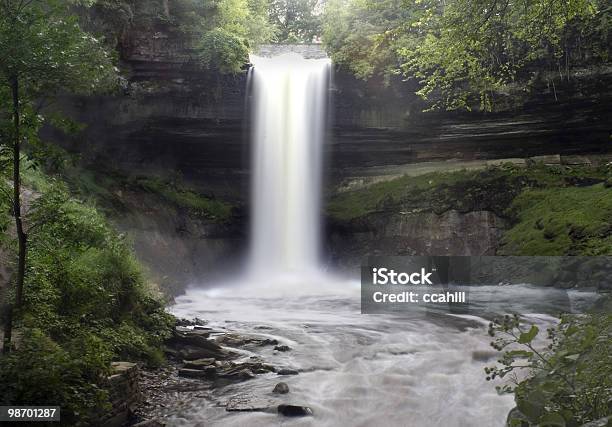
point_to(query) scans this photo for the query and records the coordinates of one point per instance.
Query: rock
(247, 403)
(281, 388)
(242, 371)
(183, 322)
(294, 410)
(195, 345)
(192, 373)
(150, 423)
(287, 371)
(193, 353)
(199, 363)
(122, 367)
(282, 348)
(199, 322)
(235, 340)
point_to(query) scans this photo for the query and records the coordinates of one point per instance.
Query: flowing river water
(418, 368)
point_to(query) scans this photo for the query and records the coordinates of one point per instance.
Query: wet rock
(191, 346)
(199, 363)
(281, 388)
(193, 353)
(184, 322)
(192, 373)
(150, 423)
(247, 403)
(236, 340)
(294, 410)
(197, 330)
(242, 371)
(287, 371)
(199, 322)
(282, 348)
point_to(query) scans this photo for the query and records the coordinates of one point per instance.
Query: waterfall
(288, 117)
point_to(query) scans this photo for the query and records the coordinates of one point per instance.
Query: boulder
(287, 371)
(281, 388)
(236, 340)
(282, 348)
(294, 410)
(195, 345)
(199, 363)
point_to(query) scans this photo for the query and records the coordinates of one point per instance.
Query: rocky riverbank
(203, 359)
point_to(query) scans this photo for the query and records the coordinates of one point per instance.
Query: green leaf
(552, 419)
(527, 337)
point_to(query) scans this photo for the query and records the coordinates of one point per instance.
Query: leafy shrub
(42, 371)
(569, 382)
(224, 51)
(85, 303)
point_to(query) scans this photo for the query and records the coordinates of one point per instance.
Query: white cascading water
(289, 110)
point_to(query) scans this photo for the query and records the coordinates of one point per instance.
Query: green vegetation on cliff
(184, 198)
(552, 210)
(86, 303)
(569, 221)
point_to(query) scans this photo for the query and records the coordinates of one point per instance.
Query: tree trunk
(166, 7)
(21, 235)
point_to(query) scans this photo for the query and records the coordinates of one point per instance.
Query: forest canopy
(463, 51)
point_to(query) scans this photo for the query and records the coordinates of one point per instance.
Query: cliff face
(407, 233)
(174, 118)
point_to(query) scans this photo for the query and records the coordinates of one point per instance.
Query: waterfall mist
(289, 108)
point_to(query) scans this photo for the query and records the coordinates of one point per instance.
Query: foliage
(86, 303)
(552, 221)
(42, 370)
(222, 31)
(223, 50)
(227, 36)
(569, 382)
(184, 198)
(464, 52)
(493, 188)
(44, 47)
(296, 21)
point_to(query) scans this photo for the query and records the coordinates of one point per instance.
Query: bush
(42, 372)
(569, 382)
(224, 51)
(85, 304)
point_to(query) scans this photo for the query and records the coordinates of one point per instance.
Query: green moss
(554, 221)
(187, 199)
(438, 192)
(491, 189)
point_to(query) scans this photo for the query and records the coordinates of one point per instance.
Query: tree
(296, 20)
(464, 52)
(44, 53)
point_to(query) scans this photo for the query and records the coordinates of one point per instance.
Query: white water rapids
(422, 370)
